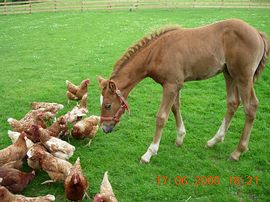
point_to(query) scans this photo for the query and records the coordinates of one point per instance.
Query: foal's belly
(203, 69)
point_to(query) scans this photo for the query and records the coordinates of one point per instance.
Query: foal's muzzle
(107, 128)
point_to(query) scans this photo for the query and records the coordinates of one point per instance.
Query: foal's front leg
(169, 95)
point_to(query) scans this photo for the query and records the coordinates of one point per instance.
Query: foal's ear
(112, 86)
(102, 82)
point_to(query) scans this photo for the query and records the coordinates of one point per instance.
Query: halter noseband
(120, 111)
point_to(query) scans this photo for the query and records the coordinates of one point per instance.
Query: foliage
(40, 51)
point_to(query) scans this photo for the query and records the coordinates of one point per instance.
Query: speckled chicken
(7, 196)
(56, 146)
(49, 109)
(15, 180)
(86, 128)
(14, 152)
(33, 161)
(106, 192)
(77, 112)
(32, 117)
(76, 184)
(57, 169)
(77, 92)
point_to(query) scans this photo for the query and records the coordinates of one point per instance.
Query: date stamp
(207, 181)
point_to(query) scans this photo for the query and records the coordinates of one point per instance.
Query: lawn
(38, 52)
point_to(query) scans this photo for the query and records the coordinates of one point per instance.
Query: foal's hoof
(179, 141)
(235, 156)
(145, 159)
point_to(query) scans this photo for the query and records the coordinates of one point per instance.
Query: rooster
(6, 196)
(77, 112)
(76, 184)
(57, 169)
(56, 146)
(32, 117)
(86, 128)
(77, 92)
(106, 192)
(15, 135)
(14, 152)
(15, 180)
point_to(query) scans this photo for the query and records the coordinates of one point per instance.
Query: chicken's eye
(107, 106)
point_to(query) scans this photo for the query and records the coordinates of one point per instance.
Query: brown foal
(174, 56)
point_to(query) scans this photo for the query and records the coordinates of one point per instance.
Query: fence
(32, 6)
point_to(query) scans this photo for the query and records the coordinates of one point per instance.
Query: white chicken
(56, 146)
(106, 192)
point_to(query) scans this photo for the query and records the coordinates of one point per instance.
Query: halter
(120, 111)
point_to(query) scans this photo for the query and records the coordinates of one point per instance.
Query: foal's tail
(263, 61)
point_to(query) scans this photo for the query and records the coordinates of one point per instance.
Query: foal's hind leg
(181, 131)
(233, 102)
(250, 103)
(169, 95)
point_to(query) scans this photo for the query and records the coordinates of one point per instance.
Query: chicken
(57, 147)
(13, 164)
(33, 162)
(106, 192)
(15, 135)
(76, 184)
(77, 112)
(50, 109)
(14, 152)
(57, 129)
(32, 117)
(6, 196)
(77, 92)
(15, 180)
(86, 128)
(57, 169)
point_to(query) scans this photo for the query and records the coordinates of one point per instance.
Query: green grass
(39, 52)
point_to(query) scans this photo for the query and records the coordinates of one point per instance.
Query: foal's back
(200, 53)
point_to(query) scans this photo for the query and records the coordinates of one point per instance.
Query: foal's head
(113, 104)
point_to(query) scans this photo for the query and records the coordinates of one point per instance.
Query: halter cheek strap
(120, 111)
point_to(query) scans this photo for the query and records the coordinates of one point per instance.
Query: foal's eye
(107, 106)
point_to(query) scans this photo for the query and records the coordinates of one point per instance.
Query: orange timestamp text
(207, 180)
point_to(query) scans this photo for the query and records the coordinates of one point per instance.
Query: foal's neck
(128, 77)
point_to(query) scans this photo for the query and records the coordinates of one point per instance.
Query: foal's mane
(141, 44)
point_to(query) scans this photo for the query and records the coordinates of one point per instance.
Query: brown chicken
(15, 180)
(50, 109)
(57, 169)
(86, 128)
(76, 184)
(57, 129)
(15, 135)
(13, 164)
(14, 152)
(6, 196)
(106, 192)
(77, 112)
(31, 118)
(77, 92)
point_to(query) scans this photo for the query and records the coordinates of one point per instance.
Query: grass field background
(39, 52)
